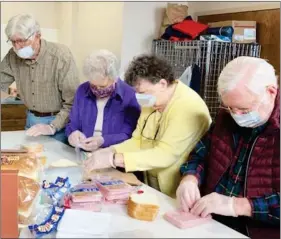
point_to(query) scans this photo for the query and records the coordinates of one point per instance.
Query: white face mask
(146, 100)
(25, 52)
(249, 120)
(253, 118)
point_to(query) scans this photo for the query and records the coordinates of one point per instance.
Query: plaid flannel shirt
(265, 208)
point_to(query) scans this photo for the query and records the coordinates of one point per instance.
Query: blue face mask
(249, 120)
(25, 52)
(146, 100)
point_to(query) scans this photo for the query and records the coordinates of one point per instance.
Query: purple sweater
(121, 114)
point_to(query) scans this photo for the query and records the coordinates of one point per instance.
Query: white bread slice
(63, 163)
(144, 199)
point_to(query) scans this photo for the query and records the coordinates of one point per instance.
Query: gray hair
(102, 62)
(23, 24)
(255, 73)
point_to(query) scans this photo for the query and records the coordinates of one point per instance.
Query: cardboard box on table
(9, 204)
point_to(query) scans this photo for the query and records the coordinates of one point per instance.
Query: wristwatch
(53, 127)
(113, 160)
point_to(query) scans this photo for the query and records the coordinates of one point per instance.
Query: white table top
(122, 226)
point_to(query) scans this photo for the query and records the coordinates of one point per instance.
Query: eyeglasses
(230, 110)
(157, 127)
(19, 42)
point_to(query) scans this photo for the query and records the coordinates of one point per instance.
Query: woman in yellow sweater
(173, 119)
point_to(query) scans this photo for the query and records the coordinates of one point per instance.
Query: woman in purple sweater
(105, 110)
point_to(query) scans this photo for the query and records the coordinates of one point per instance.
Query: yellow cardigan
(181, 125)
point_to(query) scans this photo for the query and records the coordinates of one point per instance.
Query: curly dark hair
(151, 68)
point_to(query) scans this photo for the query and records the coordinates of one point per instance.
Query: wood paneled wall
(268, 30)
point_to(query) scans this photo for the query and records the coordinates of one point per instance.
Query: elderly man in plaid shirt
(234, 171)
(45, 74)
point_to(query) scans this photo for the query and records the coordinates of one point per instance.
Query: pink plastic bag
(184, 220)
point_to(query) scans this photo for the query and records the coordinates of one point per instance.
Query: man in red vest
(234, 171)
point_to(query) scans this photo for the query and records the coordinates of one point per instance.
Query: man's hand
(75, 138)
(92, 143)
(40, 129)
(215, 203)
(188, 192)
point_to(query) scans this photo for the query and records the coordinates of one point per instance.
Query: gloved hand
(187, 194)
(75, 138)
(100, 159)
(92, 143)
(214, 203)
(40, 129)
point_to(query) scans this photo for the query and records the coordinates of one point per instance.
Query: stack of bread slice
(143, 206)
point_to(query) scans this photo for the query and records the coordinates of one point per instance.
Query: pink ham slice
(184, 220)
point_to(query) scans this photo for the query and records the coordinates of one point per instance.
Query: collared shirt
(264, 208)
(121, 113)
(47, 84)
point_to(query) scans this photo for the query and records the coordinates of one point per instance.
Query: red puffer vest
(263, 167)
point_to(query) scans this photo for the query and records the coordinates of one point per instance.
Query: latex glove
(40, 129)
(100, 159)
(75, 138)
(92, 143)
(187, 194)
(214, 203)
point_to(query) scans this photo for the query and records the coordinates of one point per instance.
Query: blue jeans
(31, 120)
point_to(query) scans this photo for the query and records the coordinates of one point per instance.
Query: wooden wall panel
(268, 30)
(13, 117)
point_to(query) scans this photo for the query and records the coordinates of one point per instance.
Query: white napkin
(80, 222)
(71, 235)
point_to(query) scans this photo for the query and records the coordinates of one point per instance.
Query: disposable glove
(92, 143)
(100, 159)
(75, 138)
(40, 129)
(214, 203)
(187, 194)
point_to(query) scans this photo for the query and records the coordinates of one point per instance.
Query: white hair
(255, 73)
(23, 24)
(102, 62)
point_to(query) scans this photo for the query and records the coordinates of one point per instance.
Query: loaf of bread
(26, 163)
(27, 193)
(143, 206)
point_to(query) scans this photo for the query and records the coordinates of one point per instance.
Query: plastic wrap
(46, 222)
(85, 196)
(115, 191)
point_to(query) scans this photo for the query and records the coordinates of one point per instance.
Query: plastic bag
(74, 174)
(53, 192)
(47, 221)
(28, 197)
(26, 163)
(33, 148)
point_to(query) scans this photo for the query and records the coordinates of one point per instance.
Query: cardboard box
(9, 204)
(244, 31)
